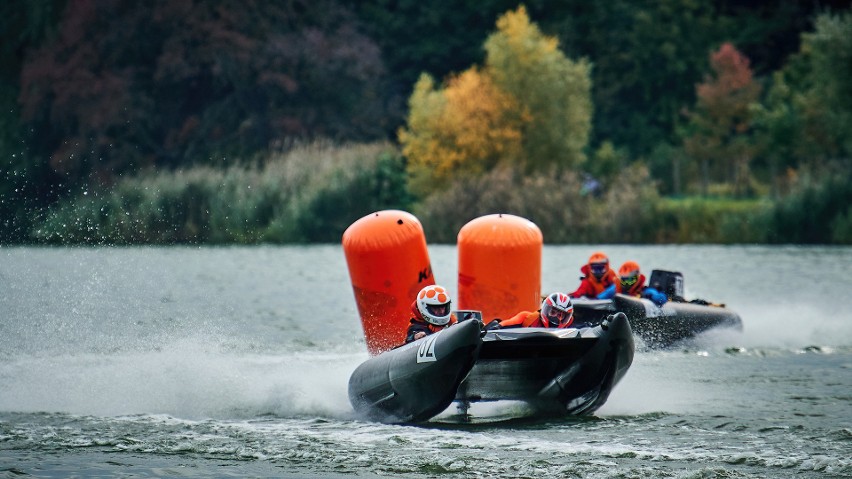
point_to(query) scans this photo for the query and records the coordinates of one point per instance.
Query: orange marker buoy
(388, 265)
(499, 266)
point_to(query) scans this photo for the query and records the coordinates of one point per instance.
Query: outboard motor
(668, 282)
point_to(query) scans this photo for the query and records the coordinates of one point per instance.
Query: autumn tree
(465, 128)
(529, 106)
(718, 137)
(554, 90)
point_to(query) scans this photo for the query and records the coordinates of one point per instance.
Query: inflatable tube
(388, 264)
(663, 326)
(499, 266)
(569, 371)
(416, 381)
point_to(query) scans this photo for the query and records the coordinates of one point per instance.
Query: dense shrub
(310, 194)
(710, 220)
(819, 210)
(556, 202)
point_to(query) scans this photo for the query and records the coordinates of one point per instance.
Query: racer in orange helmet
(597, 276)
(557, 311)
(431, 311)
(631, 282)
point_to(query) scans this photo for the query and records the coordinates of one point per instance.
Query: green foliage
(310, 194)
(553, 200)
(647, 58)
(351, 194)
(828, 51)
(553, 90)
(816, 212)
(24, 182)
(606, 162)
(126, 86)
(626, 212)
(528, 105)
(710, 221)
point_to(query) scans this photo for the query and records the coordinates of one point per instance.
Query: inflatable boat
(557, 371)
(661, 326)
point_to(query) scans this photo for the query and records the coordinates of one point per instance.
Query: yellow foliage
(466, 128)
(524, 39)
(529, 106)
(555, 91)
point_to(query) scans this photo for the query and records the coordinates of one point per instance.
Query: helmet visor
(598, 269)
(438, 310)
(554, 316)
(629, 280)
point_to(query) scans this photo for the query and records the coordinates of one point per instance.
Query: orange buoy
(499, 266)
(388, 264)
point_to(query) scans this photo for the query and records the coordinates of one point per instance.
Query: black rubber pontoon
(418, 380)
(566, 371)
(660, 326)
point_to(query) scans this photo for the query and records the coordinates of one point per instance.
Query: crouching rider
(557, 311)
(432, 313)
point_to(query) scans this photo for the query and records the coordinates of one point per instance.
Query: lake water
(234, 361)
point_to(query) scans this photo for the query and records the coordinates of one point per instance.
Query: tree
(777, 130)
(722, 120)
(465, 128)
(554, 90)
(131, 85)
(25, 185)
(828, 54)
(529, 106)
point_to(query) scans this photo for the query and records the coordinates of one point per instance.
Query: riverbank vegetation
(283, 122)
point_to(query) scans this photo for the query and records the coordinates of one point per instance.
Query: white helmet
(557, 310)
(433, 302)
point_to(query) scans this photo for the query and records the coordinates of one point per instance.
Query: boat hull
(567, 371)
(418, 380)
(660, 327)
(564, 371)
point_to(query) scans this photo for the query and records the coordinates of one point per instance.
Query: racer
(432, 313)
(557, 311)
(631, 282)
(597, 276)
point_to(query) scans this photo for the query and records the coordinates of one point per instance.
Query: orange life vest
(592, 286)
(529, 319)
(635, 289)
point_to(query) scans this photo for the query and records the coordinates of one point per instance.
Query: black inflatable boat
(661, 326)
(559, 371)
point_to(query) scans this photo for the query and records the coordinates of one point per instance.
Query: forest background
(250, 121)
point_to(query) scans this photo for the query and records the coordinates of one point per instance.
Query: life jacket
(635, 289)
(529, 319)
(594, 286)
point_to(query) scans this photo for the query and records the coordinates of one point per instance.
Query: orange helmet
(598, 257)
(599, 264)
(628, 273)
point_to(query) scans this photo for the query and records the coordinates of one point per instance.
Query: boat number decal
(426, 353)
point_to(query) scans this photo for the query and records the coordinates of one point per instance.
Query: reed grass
(305, 195)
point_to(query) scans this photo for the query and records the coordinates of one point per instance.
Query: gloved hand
(655, 296)
(494, 324)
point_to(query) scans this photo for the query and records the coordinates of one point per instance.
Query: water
(218, 362)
